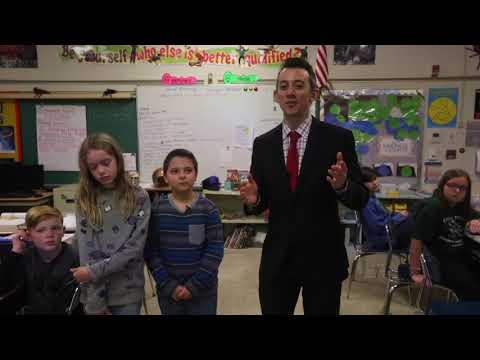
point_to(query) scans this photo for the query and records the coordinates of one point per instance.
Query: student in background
(112, 221)
(41, 272)
(374, 217)
(440, 224)
(300, 170)
(185, 242)
(158, 179)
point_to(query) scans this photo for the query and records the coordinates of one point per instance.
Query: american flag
(321, 67)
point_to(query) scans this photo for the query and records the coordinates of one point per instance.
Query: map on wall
(386, 125)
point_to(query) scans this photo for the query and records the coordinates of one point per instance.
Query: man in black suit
(300, 185)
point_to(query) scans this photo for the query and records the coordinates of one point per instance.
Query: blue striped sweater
(184, 248)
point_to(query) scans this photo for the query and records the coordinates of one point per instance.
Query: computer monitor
(18, 177)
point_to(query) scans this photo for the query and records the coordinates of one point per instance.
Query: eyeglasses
(460, 188)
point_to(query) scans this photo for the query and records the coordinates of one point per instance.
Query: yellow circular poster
(442, 111)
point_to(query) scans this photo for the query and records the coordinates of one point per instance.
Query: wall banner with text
(190, 55)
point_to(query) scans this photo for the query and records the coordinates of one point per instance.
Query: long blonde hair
(89, 189)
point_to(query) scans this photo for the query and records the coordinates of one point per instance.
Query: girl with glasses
(441, 224)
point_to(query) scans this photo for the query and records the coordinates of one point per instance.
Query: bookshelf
(234, 218)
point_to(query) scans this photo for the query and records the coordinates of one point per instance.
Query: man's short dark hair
(299, 63)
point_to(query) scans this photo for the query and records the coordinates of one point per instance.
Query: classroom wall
(392, 61)
(396, 67)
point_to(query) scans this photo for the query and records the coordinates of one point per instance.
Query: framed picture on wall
(10, 134)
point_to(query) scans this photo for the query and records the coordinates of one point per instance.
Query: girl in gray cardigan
(112, 222)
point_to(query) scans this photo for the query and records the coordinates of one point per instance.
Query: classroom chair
(11, 304)
(362, 251)
(74, 303)
(431, 270)
(426, 299)
(399, 277)
(9, 301)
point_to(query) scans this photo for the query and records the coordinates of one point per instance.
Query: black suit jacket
(305, 238)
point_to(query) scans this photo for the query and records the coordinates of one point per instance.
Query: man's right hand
(249, 191)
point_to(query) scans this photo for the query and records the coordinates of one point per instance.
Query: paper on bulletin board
(433, 172)
(442, 108)
(130, 161)
(390, 147)
(472, 137)
(243, 136)
(60, 132)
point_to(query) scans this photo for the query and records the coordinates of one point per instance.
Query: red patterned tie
(292, 159)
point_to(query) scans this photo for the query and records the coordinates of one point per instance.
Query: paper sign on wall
(130, 161)
(60, 132)
(396, 148)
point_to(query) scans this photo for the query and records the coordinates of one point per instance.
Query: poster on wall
(433, 172)
(10, 136)
(473, 134)
(386, 126)
(442, 108)
(189, 55)
(354, 54)
(18, 56)
(60, 132)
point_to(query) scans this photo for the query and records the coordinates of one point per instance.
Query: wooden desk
(23, 204)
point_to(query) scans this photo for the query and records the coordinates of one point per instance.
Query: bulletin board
(116, 117)
(10, 131)
(387, 128)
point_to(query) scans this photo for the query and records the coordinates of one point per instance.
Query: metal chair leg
(388, 297)
(390, 290)
(389, 262)
(410, 298)
(352, 274)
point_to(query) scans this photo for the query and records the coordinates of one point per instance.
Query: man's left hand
(338, 173)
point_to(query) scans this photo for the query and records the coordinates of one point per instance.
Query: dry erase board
(216, 122)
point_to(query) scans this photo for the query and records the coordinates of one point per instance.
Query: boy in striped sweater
(185, 242)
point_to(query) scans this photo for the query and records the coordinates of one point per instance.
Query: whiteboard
(216, 122)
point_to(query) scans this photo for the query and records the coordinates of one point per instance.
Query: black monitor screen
(16, 177)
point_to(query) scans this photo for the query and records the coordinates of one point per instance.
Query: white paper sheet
(60, 132)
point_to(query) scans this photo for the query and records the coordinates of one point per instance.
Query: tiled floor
(238, 288)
